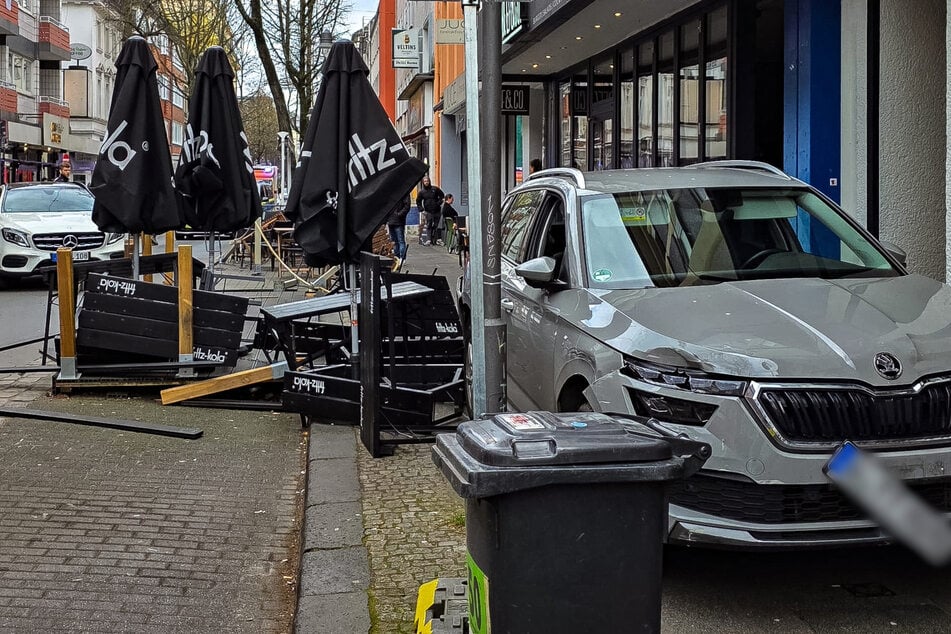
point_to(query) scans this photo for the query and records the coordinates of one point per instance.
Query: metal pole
(474, 150)
(495, 351)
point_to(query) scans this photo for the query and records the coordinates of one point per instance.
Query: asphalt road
(22, 317)
(853, 590)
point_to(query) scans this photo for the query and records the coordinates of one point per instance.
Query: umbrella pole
(354, 306)
(135, 256)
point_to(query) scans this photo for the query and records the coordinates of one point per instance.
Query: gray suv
(742, 308)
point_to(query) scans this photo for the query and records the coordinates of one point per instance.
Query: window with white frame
(20, 72)
(30, 6)
(163, 86)
(178, 133)
(178, 99)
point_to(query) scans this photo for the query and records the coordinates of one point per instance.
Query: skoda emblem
(887, 365)
(70, 241)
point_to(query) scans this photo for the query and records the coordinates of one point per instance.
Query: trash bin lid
(545, 439)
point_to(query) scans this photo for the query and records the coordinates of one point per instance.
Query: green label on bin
(478, 598)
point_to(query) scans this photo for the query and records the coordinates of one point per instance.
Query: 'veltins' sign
(405, 48)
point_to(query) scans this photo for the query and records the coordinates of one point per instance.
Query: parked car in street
(36, 219)
(743, 308)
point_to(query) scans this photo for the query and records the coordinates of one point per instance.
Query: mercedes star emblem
(887, 365)
(70, 241)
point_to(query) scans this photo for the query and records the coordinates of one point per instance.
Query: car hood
(790, 328)
(76, 221)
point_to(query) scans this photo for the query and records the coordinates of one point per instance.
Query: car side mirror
(538, 272)
(896, 252)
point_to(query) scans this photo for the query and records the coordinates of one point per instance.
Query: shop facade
(833, 92)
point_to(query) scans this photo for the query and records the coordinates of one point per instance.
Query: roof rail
(741, 164)
(560, 172)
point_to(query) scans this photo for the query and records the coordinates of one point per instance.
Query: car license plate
(78, 256)
(888, 501)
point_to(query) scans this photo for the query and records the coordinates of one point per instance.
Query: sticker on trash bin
(602, 275)
(478, 598)
(521, 422)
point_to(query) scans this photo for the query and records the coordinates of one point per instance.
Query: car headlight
(15, 237)
(112, 238)
(684, 379)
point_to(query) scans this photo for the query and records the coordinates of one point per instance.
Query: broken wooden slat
(110, 423)
(223, 383)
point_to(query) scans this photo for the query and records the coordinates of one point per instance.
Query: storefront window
(602, 115)
(625, 125)
(665, 100)
(645, 104)
(716, 97)
(579, 98)
(690, 92)
(565, 92)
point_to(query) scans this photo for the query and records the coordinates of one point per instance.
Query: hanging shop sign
(515, 99)
(450, 31)
(405, 48)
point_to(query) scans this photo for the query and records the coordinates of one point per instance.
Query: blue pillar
(812, 94)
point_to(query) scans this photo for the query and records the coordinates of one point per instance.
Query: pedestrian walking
(429, 199)
(396, 226)
(449, 215)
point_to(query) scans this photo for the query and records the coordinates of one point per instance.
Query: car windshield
(682, 237)
(47, 199)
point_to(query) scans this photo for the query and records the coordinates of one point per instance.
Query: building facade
(834, 92)
(90, 80)
(34, 117)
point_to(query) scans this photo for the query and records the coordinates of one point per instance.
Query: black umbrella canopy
(132, 181)
(215, 176)
(353, 168)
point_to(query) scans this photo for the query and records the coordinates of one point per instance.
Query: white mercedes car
(36, 219)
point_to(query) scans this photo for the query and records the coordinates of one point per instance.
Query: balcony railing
(8, 97)
(9, 18)
(53, 39)
(54, 106)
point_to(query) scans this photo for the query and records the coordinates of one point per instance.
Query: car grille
(810, 415)
(53, 241)
(779, 503)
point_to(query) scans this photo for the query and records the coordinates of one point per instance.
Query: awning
(423, 131)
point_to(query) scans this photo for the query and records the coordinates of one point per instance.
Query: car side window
(548, 236)
(516, 222)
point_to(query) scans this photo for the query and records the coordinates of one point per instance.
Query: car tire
(467, 377)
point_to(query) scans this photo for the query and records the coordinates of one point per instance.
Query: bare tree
(260, 125)
(287, 34)
(191, 26)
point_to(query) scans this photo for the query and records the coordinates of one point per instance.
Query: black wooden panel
(127, 343)
(160, 311)
(152, 328)
(122, 342)
(123, 287)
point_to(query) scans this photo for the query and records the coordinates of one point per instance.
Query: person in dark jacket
(396, 225)
(429, 199)
(449, 216)
(64, 171)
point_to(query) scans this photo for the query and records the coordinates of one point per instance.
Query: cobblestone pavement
(414, 527)
(102, 530)
(110, 531)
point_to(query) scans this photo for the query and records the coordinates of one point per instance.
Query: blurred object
(868, 483)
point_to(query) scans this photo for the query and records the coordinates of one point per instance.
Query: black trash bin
(565, 519)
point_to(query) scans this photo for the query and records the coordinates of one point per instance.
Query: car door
(547, 238)
(517, 221)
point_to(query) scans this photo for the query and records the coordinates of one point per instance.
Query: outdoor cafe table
(280, 318)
